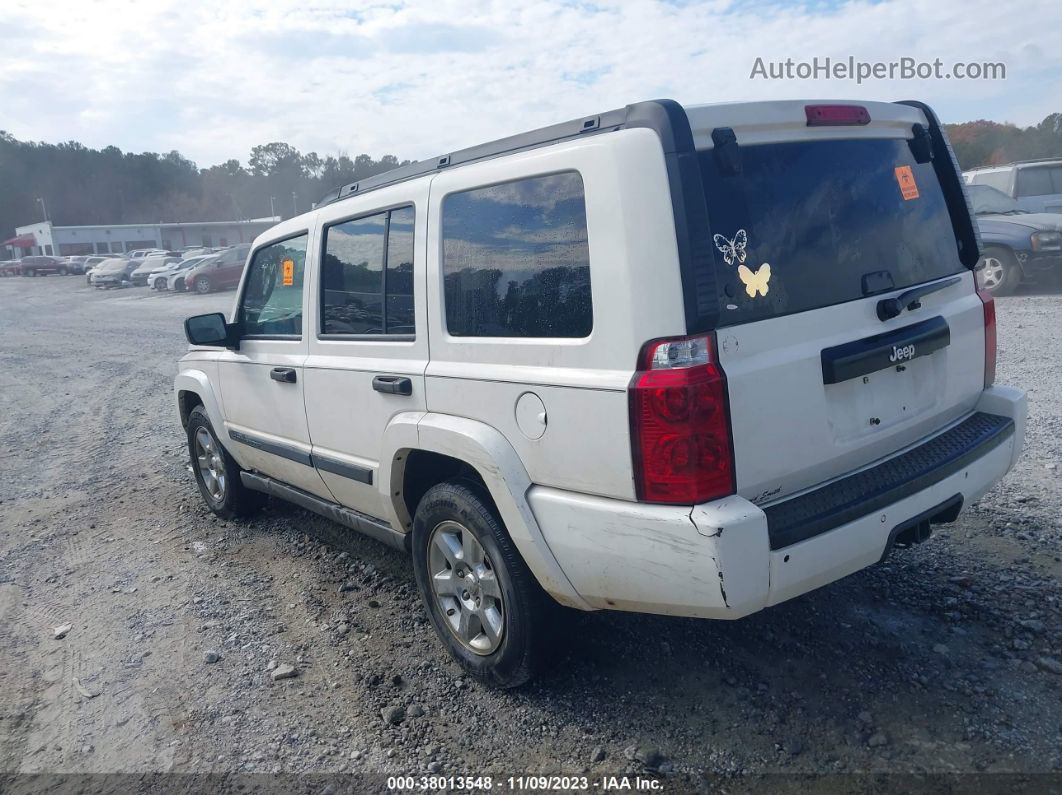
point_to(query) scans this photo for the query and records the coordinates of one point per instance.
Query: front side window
(516, 262)
(272, 299)
(367, 275)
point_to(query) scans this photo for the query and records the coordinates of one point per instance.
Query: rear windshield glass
(802, 223)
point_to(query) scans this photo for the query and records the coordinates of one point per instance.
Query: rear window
(802, 223)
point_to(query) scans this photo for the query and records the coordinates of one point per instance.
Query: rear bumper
(717, 560)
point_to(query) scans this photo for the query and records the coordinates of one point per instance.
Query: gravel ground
(944, 660)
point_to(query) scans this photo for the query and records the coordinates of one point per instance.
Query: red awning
(23, 241)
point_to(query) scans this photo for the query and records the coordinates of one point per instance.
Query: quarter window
(367, 275)
(516, 261)
(272, 299)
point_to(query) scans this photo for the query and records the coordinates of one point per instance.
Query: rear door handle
(285, 375)
(393, 384)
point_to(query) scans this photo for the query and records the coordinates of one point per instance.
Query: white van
(683, 360)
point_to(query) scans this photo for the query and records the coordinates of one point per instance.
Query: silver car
(1036, 185)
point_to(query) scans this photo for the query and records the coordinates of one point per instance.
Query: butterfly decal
(732, 249)
(755, 282)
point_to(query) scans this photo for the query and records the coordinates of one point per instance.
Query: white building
(44, 238)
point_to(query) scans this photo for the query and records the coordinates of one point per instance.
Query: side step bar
(373, 528)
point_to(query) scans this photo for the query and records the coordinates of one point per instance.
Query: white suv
(682, 360)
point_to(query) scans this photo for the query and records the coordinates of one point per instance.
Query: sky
(419, 78)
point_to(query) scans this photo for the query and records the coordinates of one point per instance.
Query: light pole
(44, 208)
(294, 206)
(272, 209)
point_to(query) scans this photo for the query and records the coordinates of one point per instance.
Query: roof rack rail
(1055, 159)
(640, 114)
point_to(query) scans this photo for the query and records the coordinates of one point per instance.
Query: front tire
(216, 472)
(998, 272)
(483, 601)
(202, 285)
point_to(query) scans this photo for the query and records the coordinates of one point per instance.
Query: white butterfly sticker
(732, 249)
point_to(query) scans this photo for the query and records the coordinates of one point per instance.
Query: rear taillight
(836, 115)
(990, 336)
(680, 423)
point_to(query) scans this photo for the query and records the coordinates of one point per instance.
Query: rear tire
(483, 601)
(998, 272)
(63, 271)
(217, 473)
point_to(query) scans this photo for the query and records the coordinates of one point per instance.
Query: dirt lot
(944, 660)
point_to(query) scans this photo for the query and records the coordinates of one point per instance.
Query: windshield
(802, 223)
(986, 200)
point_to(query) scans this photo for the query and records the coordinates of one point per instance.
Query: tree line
(83, 186)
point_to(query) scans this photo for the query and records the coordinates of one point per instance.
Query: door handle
(393, 384)
(284, 375)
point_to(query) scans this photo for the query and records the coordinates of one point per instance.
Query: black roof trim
(669, 121)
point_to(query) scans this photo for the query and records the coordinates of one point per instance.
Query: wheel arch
(421, 449)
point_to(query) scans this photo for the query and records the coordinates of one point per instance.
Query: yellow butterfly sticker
(755, 282)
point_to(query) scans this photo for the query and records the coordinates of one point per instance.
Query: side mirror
(208, 330)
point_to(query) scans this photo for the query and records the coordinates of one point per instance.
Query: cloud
(421, 77)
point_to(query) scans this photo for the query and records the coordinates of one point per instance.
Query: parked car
(140, 253)
(161, 279)
(113, 272)
(1017, 245)
(90, 264)
(1036, 185)
(629, 362)
(176, 280)
(76, 264)
(43, 265)
(221, 273)
(11, 267)
(150, 264)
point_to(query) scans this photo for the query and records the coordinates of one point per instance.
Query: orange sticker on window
(905, 179)
(289, 272)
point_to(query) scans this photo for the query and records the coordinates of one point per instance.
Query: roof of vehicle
(1041, 161)
(653, 114)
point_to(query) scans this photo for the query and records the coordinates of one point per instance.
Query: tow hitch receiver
(918, 528)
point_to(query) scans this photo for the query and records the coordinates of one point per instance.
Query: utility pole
(294, 206)
(272, 209)
(44, 208)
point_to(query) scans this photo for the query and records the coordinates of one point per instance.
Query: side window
(272, 299)
(516, 261)
(367, 275)
(1034, 182)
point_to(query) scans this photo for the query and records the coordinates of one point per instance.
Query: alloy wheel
(990, 274)
(211, 464)
(465, 588)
